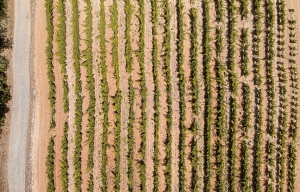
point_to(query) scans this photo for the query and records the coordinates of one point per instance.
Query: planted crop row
(294, 114)
(128, 49)
(52, 92)
(182, 104)
(61, 53)
(64, 166)
(221, 114)
(283, 103)
(245, 165)
(167, 67)
(50, 166)
(156, 95)
(129, 62)
(104, 95)
(208, 110)
(87, 54)
(140, 55)
(49, 59)
(233, 88)
(118, 97)
(258, 122)
(130, 135)
(270, 54)
(195, 101)
(78, 103)
(62, 56)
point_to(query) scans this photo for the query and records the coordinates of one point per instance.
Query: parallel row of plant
(208, 110)
(167, 67)
(283, 103)
(130, 135)
(258, 122)
(79, 99)
(52, 91)
(195, 101)
(156, 95)
(233, 88)
(182, 104)
(104, 96)
(4, 44)
(61, 52)
(62, 56)
(270, 55)
(245, 148)
(129, 62)
(64, 166)
(221, 122)
(87, 54)
(118, 95)
(294, 114)
(143, 92)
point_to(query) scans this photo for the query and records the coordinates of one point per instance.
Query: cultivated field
(166, 95)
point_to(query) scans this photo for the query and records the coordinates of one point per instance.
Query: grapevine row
(156, 95)
(269, 51)
(283, 103)
(87, 54)
(233, 88)
(129, 62)
(52, 92)
(182, 105)
(118, 96)
(61, 53)
(245, 166)
(208, 113)
(64, 167)
(221, 114)
(78, 103)
(257, 168)
(195, 96)
(167, 48)
(104, 95)
(293, 129)
(130, 135)
(140, 55)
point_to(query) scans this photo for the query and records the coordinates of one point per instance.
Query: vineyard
(171, 95)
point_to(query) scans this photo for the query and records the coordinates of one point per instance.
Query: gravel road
(21, 97)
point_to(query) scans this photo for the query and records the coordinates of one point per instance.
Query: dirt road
(21, 96)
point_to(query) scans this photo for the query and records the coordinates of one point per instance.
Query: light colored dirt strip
(226, 99)
(163, 108)
(175, 97)
(200, 118)
(149, 99)
(41, 104)
(112, 90)
(72, 96)
(85, 96)
(125, 100)
(136, 77)
(98, 117)
(188, 92)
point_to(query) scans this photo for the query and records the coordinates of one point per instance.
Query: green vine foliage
(143, 92)
(64, 166)
(78, 103)
(105, 96)
(61, 53)
(156, 95)
(167, 49)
